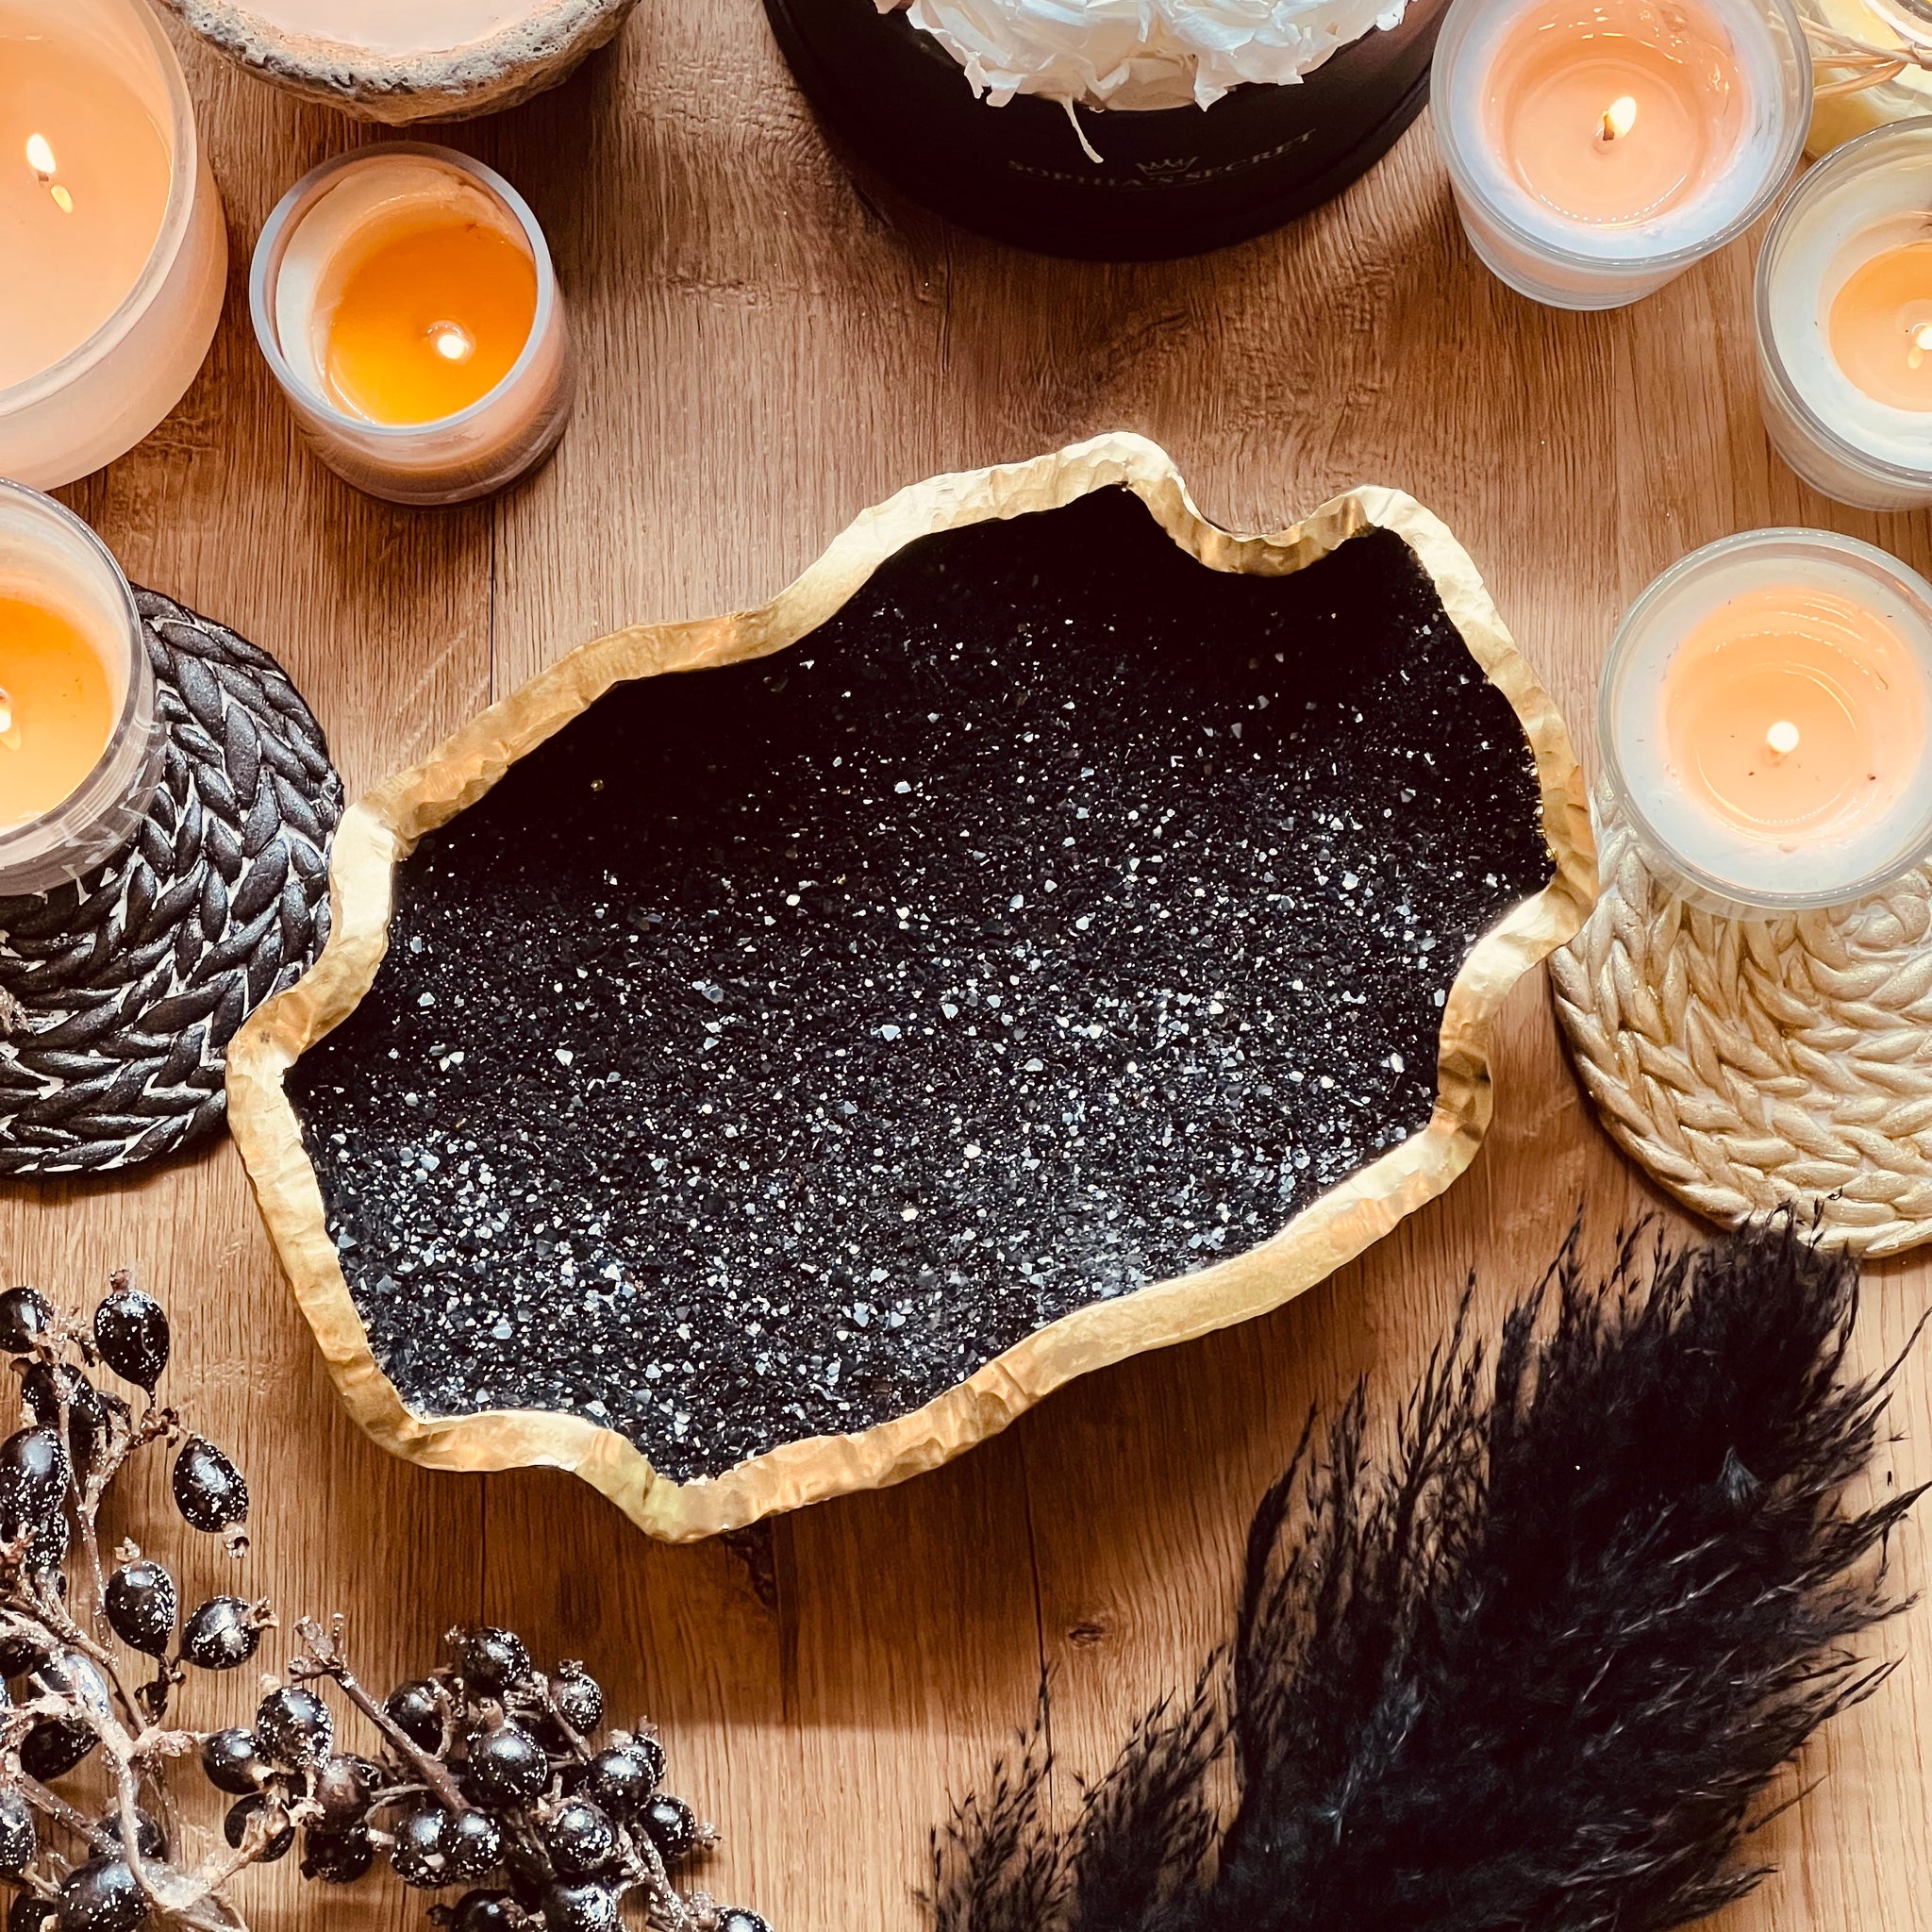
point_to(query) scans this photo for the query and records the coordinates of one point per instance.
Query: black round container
(1170, 181)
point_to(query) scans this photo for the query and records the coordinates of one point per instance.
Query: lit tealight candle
(1764, 716)
(80, 752)
(1844, 322)
(114, 253)
(406, 300)
(1599, 147)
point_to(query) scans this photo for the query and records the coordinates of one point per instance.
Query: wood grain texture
(767, 348)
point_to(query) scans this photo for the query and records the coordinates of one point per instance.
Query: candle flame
(9, 731)
(1782, 739)
(1620, 118)
(40, 157)
(1922, 347)
(452, 342)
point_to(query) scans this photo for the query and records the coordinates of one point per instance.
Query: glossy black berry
(487, 1911)
(653, 1755)
(102, 1896)
(472, 1845)
(67, 1674)
(578, 1698)
(581, 1908)
(736, 1919)
(623, 1779)
(489, 1659)
(222, 1635)
(147, 1830)
(580, 1839)
(336, 1858)
(33, 1480)
(343, 1787)
(131, 1333)
(208, 1489)
(20, 1654)
(673, 1828)
(418, 1853)
(236, 1823)
(294, 1727)
(142, 1606)
(31, 1913)
(507, 1766)
(54, 1747)
(26, 1314)
(19, 1840)
(232, 1764)
(90, 1414)
(416, 1710)
(45, 1552)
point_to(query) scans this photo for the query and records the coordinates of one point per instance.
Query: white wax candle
(1763, 715)
(112, 245)
(1705, 102)
(1834, 424)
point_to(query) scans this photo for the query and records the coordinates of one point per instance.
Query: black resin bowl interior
(779, 1044)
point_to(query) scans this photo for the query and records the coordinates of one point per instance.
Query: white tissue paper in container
(1140, 54)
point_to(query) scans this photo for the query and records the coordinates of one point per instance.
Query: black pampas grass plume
(1536, 1676)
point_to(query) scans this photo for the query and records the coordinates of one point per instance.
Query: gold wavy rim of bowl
(379, 832)
(523, 57)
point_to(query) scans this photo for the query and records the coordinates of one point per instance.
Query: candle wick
(1620, 117)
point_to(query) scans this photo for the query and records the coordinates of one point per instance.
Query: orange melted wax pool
(1793, 714)
(1610, 111)
(57, 712)
(430, 322)
(1881, 325)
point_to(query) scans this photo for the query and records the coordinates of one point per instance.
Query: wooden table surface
(767, 349)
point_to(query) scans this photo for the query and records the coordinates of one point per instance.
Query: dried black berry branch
(489, 1774)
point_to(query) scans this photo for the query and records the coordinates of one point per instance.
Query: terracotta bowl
(535, 50)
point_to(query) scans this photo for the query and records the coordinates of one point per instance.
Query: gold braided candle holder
(1749, 1065)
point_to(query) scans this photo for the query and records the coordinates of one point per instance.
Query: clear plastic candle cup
(80, 748)
(113, 252)
(1599, 148)
(404, 298)
(1765, 716)
(1844, 322)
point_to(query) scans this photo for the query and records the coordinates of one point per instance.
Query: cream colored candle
(1764, 716)
(1794, 712)
(1599, 147)
(113, 253)
(1844, 322)
(84, 176)
(1614, 110)
(404, 298)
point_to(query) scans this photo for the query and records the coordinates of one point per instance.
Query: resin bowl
(403, 60)
(1051, 929)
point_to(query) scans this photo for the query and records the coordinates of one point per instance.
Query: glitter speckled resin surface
(731, 1284)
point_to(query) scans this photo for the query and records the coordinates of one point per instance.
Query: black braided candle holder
(119, 992)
